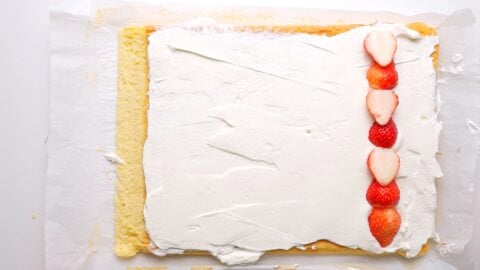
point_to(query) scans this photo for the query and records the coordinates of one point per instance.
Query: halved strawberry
(379, 77)
(381, 105)
(383, 196)
(383, 135)
(384, 224)
(383, 164)
(381, 45)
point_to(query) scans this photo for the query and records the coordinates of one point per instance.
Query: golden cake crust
(132, 106)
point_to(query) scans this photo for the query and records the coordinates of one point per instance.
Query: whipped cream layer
(259, 141)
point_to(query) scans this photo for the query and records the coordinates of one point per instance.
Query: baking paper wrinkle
(79, 198)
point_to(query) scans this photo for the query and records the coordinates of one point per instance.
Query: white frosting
(259, 141)
(113, 158)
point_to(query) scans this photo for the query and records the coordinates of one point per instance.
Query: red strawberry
(384, 224)
(383, 164)
(382, 77)
(383, 136)
(381, 45)
(381, 105)
(383, 196)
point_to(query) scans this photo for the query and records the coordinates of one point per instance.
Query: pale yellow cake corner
(132, 105)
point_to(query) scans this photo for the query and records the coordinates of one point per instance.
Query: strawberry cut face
(381, 45)
(381, 105)
(384, 164)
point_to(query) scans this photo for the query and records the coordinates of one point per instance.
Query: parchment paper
(81, 182)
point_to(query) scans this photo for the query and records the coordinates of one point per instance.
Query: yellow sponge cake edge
(131, 133)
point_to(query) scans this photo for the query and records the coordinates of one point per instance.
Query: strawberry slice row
(383, 193)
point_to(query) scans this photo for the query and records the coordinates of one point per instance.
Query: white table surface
(24, 84)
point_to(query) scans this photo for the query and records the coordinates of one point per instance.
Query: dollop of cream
(259, 141)
(114, 158)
